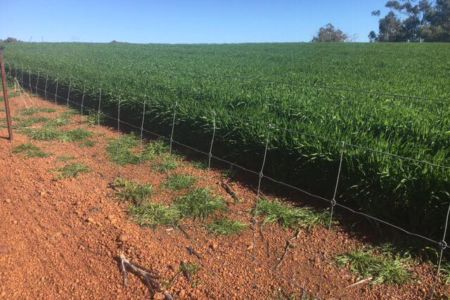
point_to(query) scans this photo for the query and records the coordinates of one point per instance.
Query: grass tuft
(189, 269)
(65, 158)
(199, 204)
(153, 215)
(30, 150)
(167, 164)
(288, 216)
(132, 191)
(22, 123)
(72, 170)
(120, 150)
(381, 268)
(226, 227)
(75, 135)
(178, 182)
(42, 134)
(154, 149)
(34, 110)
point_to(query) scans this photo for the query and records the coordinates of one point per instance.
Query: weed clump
(385, 268)
(155, 214)
(199, 204)
(288, 216)
(72, 170)
(226, 227)
(178, 182)
(132, 191)
(30, 150)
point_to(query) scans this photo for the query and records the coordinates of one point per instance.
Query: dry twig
(149, 277)
(286, 248)
(230, 191)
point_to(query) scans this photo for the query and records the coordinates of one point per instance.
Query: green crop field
(305, 98)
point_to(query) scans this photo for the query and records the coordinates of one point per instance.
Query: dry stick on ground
(230, 191)
(359, 282)
(149, 277)
(287, 247)
(193, 252)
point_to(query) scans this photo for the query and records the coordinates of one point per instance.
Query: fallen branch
(149, 277)
(230, 191)
(193, 252)
(359, 282)
(286, 248)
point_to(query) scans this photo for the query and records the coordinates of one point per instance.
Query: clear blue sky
(184, 21)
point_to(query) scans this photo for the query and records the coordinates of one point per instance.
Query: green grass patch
(72, 170)
(383, 268)
(65, 158)
(42, 134)
(154, 149)
(94, 118)
(34, 110)
(75, 135)
(167, 164)
(22, 123)
(120, 150)
(59, 121)
(199, 203)
(178, 182)
(153, 215)
(30, 150)
(288, 216)
(87, 143)
(189, 269)
(226, 227)
(132, 191)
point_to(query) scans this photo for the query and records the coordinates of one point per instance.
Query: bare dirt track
(60, 238)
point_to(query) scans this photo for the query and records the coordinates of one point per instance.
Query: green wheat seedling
(199, 203)
(226, 227)
(288, 216)
(30, 150)
(132, 191)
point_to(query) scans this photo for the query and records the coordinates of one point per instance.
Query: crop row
(259, 92)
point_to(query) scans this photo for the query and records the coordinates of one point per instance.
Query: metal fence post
(56, 91)
(45, 90)
(443, 244)
(5, 95)
(29, 81)
(333, 200)
(173, 127)
(68, 93)
(142, 122)
(118, 117)
(82, 100)
(37, 82)
(99, 105)
(212, 140)
(261, 174)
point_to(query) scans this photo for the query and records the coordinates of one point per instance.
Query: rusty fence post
(5, 95)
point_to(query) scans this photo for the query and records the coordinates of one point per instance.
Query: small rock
(214, 245)
(122, 238)
(250, 247)
(159, 296)
(14, 222)
(8, 200)
(90, 220)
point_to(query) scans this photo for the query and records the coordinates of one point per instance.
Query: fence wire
(441, 244)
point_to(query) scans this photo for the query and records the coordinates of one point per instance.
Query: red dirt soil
(60, 238)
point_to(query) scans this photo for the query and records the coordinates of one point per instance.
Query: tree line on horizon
(406, 21)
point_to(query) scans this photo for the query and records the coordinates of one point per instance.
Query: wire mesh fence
(334, 201)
